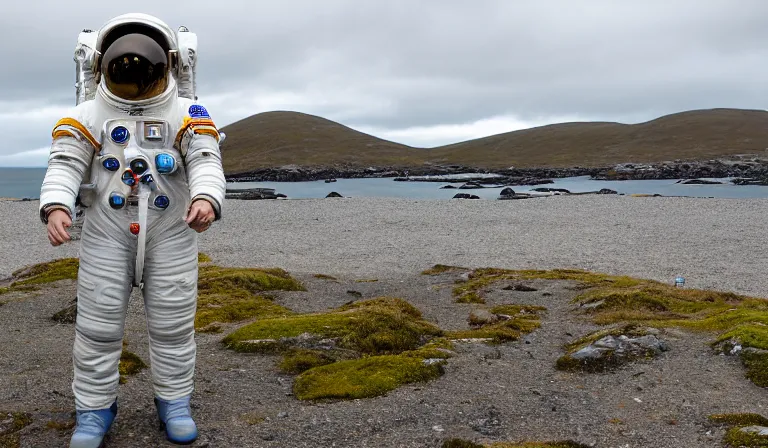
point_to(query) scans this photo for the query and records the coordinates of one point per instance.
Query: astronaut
(142, 159)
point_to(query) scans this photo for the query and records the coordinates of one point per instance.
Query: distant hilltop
(279, 139)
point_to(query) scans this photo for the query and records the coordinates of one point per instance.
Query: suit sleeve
(70, 157)
(198, 142)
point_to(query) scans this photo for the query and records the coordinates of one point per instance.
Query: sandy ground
(488, 394)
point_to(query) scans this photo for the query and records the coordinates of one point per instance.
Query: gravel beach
(713, 243)
(378, 247)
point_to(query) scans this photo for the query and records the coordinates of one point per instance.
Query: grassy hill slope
(281, 138)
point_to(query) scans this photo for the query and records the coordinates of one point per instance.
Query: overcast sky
(419, 72)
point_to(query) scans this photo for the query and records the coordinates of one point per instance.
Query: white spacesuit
(135, 153)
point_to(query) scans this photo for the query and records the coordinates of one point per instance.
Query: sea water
(26, 182)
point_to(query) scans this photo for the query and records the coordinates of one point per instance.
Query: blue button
(116, 201)
(120, 134)
(111, 163)
(165, 163)
(128, 178)
(162, 202)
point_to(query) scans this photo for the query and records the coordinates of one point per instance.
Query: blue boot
(92, 426)
(176, 417)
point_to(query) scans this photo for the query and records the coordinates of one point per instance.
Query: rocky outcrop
(613, 351)
(253, 194)
(465, 196)
(333, 194)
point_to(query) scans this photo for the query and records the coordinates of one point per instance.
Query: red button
(135, 228)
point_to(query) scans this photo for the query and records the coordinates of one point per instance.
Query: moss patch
(514, 321)
(606, 362)
(377, 326)
(10, 425)
(203, 258)
(735, 437)
(608, 300)
(363, 378)
(480, 280)
(459, 443)
(234, 294)
(61, 426)
(130, 364)
(440, 269)
(359, 350)
(324, 277)
(30, 278)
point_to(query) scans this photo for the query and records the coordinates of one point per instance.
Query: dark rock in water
(448, 187)
(465, 196)
(281, 196)
(507, 192)
(68, 315)
(333, 194)
(252, 194)
(613, 351)
(470, 186)
(328, 181)
(750, 181)
(698, 182)
(551, 190)
(607, 191)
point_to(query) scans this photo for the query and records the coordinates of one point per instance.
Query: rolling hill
(276, 139)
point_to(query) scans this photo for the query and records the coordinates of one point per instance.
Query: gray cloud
(394, 65)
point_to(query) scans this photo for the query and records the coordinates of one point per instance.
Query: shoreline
(747, 167)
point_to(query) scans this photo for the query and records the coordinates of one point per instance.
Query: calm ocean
(26, 182)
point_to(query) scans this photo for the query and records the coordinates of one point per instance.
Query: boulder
(470, 186)
(333, 194)
(607, 191)
(507, 192)
(448, 187)
(465, 196)
(551, 190)
(613, 351)
(698, 182)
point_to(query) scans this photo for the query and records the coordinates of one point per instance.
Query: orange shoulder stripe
(80, 128)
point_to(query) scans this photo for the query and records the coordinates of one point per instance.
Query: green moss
(459, 443)
(17, 422)
(371, 280)
(29, 277)
(378, 326)
(748, 335)
(324, 277)
(233, 294)
(438, 348)
(363, 378)
(517, 320)
(297, 361)
(203, 258)
(253, 418)
(9, 433)
(757, 367)
(130, 364)
(737, 438)
(61, 426)
(480, 279)
(739, 419)
(440, 269)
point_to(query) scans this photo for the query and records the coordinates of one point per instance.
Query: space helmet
(136, 56)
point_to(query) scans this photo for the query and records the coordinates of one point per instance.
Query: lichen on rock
(607, 349)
